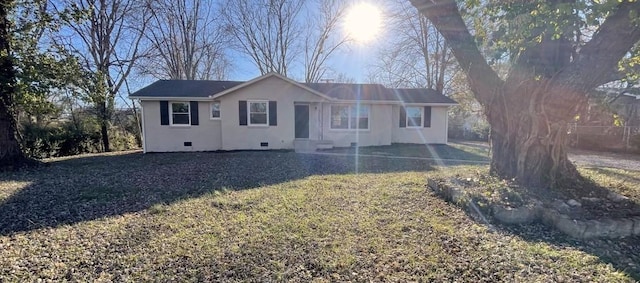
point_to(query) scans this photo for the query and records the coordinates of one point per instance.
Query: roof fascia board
(143, 98)
(271, 74)
(393, 102)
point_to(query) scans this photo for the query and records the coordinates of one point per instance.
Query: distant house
(275, 112)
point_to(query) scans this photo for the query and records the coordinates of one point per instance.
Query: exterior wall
(236, 137)
(165, 138)
(227, 134)
(437, 133)
(379, 132)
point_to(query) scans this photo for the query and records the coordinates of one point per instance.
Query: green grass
(270, 216)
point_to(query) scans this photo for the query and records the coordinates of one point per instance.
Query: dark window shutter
(193, 108)
(273, 113)
(403, 117)
(427, 117)
(242, 110)
(164, 112)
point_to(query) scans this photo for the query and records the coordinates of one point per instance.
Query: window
(414, 117)
(215, 110)
(350, 117)
(180, 114)
(339, 117)
(258, 113)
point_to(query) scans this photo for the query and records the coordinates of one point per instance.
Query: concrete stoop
(537, 212)
(306, 146)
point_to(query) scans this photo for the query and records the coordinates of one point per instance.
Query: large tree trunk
(529, 110)
(530, 146)
(9, 147)
(11, 155)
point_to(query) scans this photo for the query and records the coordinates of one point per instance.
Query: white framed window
(258, 113)
(350, 117)
(215, 110)
(339, 117)
(414, 117)
(180, 114)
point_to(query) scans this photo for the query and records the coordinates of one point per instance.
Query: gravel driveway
(603, 159)
(585, 158)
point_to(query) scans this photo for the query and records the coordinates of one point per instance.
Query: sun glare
(362, 22)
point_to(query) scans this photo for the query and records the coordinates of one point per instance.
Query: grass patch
(203, 217)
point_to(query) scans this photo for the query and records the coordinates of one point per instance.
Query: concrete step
(311, 145)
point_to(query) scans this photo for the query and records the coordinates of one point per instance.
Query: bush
(478, 130)
(59, 139)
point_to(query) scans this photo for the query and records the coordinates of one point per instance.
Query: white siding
(278, 137)
(165, 138)
(437, 133)
(227, 134)
(379, 132)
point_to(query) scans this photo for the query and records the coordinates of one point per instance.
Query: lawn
(275, 216)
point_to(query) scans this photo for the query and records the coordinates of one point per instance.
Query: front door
(302, 121)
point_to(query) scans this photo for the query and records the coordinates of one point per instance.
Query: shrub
(59, 139)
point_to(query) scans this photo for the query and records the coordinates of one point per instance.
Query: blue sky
(352, 60)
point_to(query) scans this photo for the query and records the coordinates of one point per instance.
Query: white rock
(573, 202)
(616, 197)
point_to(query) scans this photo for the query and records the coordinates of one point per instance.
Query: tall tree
(187, 41)
(552, 71)
(323, 39)
(10, 153)
(417, 55)
(108, 43)
(265, 30)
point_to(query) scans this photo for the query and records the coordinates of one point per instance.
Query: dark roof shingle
(185, 88)
(339, 91)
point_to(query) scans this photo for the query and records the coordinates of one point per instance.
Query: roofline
(333, 100)
(394, 102)
(268, 75)
(154, 98)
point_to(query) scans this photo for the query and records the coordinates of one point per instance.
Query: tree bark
(11, 155)
(528, 112)
(9, 147)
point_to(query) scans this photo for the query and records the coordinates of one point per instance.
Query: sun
(362, 22)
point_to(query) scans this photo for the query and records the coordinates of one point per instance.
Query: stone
(591, 199)
(560, 206)
(573, 202)
(520, 215)
(608, 227)
(592, 230)
(550, 216)
(573, 228)
(432, 184)
(616, 197)
(624, 228)
(456, 195)
(636, 226)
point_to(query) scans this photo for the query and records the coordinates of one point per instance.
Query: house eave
(392, 102)
(157, 98)
(272, 74)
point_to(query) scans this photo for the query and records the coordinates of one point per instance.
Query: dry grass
(269, 216)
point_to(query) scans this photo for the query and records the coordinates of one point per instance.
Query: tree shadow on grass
(448, 154)
(617, 174)
(88, 188)
(623, 254)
